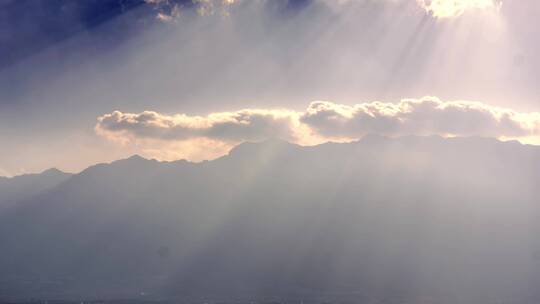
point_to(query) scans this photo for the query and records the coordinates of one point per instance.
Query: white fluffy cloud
(321, 121)
(425, 116)
(455, 8)
(237, 126)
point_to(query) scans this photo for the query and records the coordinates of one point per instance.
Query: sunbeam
(269, 151)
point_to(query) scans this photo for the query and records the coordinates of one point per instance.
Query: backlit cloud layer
(168, 10)
(455, 8)
(251, 125)
(323, 121)
(426, 116)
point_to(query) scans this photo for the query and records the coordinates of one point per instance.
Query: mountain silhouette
(25, 186)
(393, 220)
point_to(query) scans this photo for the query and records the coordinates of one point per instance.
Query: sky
(84, 82)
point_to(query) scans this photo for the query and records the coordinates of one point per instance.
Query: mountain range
(380, 220)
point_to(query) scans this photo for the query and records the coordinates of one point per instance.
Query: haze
(269, 151)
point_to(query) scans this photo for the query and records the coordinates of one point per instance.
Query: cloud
(250, 125)
(425, 116)
(170, 10)
(321, 121)
(455, 8)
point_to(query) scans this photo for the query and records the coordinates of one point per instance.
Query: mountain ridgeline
(401, 220)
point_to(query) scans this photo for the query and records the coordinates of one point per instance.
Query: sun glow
(455, 8)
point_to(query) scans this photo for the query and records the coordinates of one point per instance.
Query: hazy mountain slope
(454, 219)
(25, 186)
